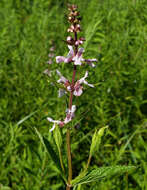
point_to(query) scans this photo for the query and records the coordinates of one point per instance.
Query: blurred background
(116, 34)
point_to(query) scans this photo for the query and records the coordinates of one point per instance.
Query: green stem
(88, 163)
(69, 159)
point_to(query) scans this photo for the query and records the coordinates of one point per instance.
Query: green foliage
(49, 150)
(96, 140)
(116, 34)
(58, 137)
(101, 173)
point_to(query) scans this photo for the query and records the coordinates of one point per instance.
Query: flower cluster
(51, 55)
(74, 57)
(69, 116)
(77, 88)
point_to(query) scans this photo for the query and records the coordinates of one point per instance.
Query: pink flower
(60, 123)
(71, 57)
(77, 59)
(78, 87)
(67, 59)
(69, 117)
(63, 80)
(49, 62)
(80, 41)
(70, 114)
(90, 62)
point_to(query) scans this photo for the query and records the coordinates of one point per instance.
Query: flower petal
(60, 59)
(83, 78)
(90, 62)
(80, 52)
(71, 51)
(50, 119)
(91, 85)
(73, 108)
(70, 114)
(61, 92)
(54, 125)
(78, 92)
(77, 60)
(62, 78)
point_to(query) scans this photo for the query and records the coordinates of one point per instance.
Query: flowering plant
(74, 57)
(75, 88)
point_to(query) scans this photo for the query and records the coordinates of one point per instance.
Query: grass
(116, 34)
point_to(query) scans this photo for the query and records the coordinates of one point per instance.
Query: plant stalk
(68, 187)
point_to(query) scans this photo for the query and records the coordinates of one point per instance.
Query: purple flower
(69, 117)
(62, 79)
(67, 59)
(70, 114)
(71, 57)
(77, 59)
(60, 123)
(90, 62)
(49, 62)
(78, 87)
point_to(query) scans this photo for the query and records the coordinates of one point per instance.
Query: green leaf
(90, 31)
(57, 137)
(49, 149)
(26, 117)
(102, 173)
(52, 153)
(4, 187)
(96, 140)
(58, 140)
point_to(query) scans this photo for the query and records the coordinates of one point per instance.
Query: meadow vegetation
(116, 34)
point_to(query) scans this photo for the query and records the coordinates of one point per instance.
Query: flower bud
(76, 13)
(52, 48)
(51, 55)
(80, 41)
(78, 28)
(70, 40)
(71, 29)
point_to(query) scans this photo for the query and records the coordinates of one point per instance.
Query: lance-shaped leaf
(96, 140)
(57, 137)
(50, 152)
(58, 140)
(102, 173)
